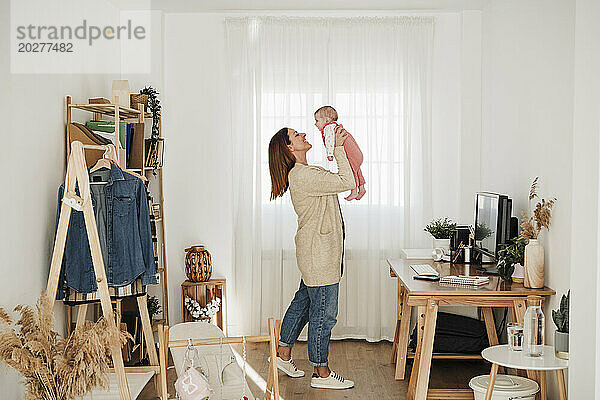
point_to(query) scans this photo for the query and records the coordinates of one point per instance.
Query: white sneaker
(333, 381)
(288, 367)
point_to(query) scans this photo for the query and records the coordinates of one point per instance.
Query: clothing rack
(77, 175)
(272, 389)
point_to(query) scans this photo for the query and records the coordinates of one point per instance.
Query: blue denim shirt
(128, 237)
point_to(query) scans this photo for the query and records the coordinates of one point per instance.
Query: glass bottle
(534, 328)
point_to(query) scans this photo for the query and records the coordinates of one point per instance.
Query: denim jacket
(128, 237)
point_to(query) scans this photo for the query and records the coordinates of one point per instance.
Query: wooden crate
(204, 293)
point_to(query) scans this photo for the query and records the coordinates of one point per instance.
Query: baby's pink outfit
(353, 152)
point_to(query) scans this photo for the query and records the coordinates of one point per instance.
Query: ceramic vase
(198, 264)
(534, 265)
(561, 345)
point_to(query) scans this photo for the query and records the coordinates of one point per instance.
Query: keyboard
(424, 270)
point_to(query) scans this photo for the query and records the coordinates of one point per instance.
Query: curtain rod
(324, 13)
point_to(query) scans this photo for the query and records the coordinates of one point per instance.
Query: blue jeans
(317, 305)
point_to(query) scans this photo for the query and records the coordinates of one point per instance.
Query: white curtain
(377, 73)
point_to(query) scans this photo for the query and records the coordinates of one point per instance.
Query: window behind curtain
(383, 151)
(376, 73)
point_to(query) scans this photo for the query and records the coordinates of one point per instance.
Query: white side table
(503, 356)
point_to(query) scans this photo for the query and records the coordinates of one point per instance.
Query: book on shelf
(109, 127)
(154, 153)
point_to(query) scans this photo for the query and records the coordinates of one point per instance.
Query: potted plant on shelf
(510, 256)
(532, 225)
(154, 307)
(153, 153)
(561, 320)
(441, 230)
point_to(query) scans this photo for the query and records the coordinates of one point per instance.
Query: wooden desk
(427, 297)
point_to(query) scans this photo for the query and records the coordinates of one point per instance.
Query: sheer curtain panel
(377, 73)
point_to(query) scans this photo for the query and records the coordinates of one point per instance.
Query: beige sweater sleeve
(319, 182)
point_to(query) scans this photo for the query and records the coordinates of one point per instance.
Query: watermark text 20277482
(90, 33)
(74, 36)
(41, 47)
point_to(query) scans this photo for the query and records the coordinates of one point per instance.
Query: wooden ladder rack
(77, 175)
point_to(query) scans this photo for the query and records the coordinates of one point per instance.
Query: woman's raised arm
(318, 182)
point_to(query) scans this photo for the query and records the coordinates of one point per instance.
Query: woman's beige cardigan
(319, 239)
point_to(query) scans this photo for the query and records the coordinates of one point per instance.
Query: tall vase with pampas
(51, 367)
(532, 224)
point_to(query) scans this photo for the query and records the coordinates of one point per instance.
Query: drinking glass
(514, 332)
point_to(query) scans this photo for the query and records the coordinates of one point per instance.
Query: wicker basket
(137, 98)
(198, 264)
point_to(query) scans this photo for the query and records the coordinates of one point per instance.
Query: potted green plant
(441, 230)
(154, 307)
(561, 335)
(510, 255)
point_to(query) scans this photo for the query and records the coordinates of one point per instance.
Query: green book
(109, 127)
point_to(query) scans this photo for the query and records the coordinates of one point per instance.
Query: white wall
(470, 98)
(33, 164)
(584, 372)
(528, 119)
(198, 183)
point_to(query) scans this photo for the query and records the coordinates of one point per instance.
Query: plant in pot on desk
(532, 225)
(441, 230)
(510, 256)
(561, 320)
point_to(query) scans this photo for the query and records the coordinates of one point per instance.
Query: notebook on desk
(465, 280)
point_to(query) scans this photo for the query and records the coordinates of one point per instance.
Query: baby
(325, 121)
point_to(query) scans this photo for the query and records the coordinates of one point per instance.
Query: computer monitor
(492, 222)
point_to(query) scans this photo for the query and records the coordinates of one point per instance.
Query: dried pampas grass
(533, 222)
(52, 367)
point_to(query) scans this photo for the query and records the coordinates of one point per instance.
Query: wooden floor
(367, 364)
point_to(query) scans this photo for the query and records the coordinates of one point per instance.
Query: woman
(319, 249)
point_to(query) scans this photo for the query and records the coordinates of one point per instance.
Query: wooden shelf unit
(121, 113)
(148, 172)
(113, 109)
